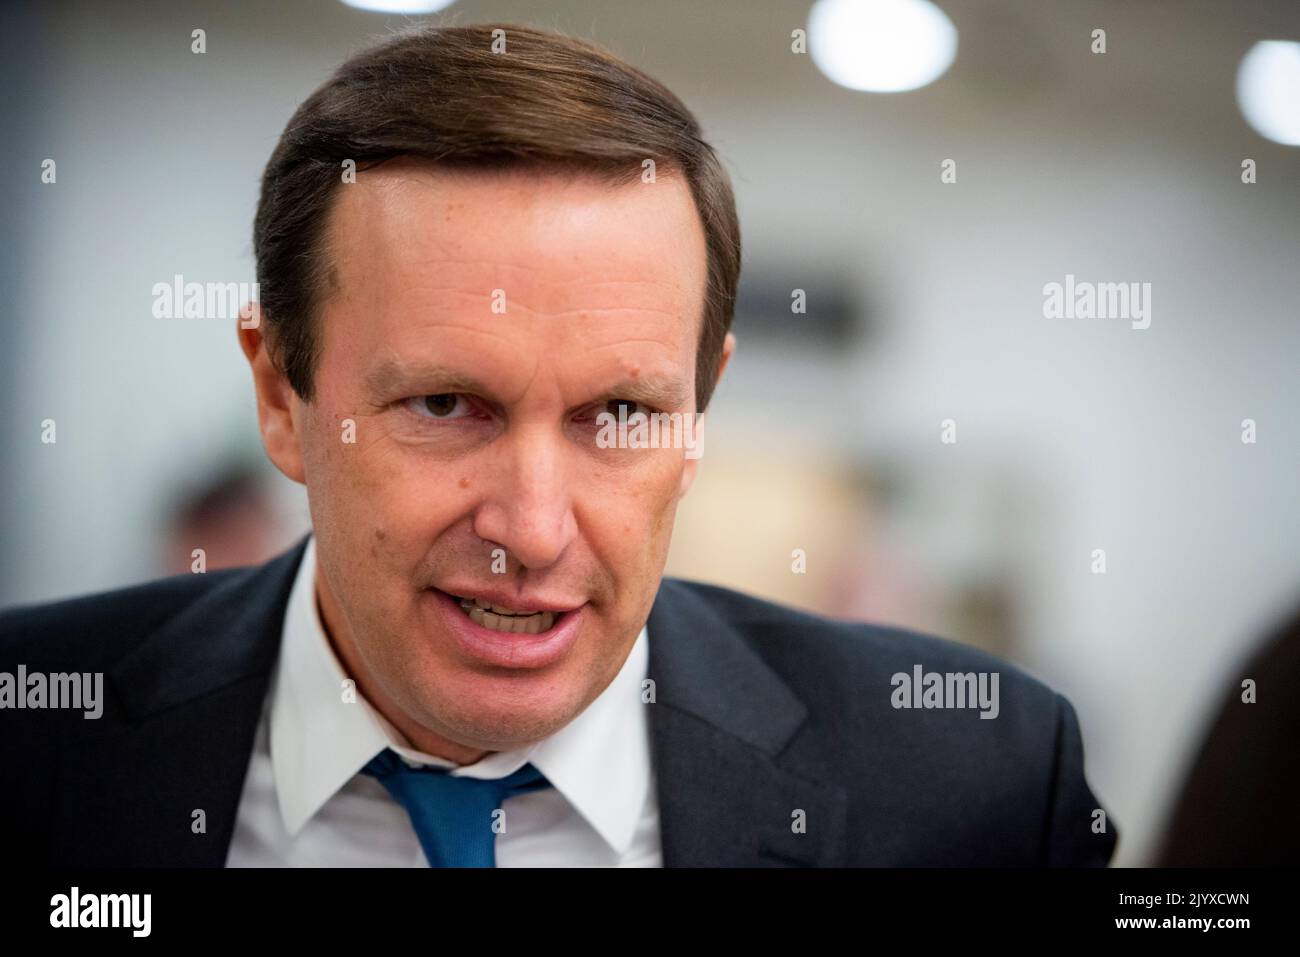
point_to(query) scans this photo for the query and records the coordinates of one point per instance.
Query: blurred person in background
(231, 518)
(1237, 807)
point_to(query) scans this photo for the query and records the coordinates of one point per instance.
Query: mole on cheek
(463, 483)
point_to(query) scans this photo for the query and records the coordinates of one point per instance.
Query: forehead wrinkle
(627, 342)
(478, 292)
(550, 280)
(518, 301)
(589, 310)
(490, 263)
(521, 297)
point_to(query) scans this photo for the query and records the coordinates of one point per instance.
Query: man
(475, 249)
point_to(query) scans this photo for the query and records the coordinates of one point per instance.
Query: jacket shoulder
(834, 657)
(99, 628)
(997, 783)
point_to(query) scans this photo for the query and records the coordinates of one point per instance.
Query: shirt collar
(599, 762)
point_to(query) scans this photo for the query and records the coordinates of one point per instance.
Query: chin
(496, 714)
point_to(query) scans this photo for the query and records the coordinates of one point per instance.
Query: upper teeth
(488, 606)
(504, 619)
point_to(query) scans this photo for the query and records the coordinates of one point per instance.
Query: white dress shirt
(306, 804)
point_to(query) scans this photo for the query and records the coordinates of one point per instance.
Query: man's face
(474, 327)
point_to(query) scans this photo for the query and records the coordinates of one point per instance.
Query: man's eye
(442, 406)
(628, 407)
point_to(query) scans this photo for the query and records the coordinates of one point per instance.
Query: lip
(508, 650)
(507, 600)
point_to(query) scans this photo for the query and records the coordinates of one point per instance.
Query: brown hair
(442, 94)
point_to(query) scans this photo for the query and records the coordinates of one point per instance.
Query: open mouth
(540, 633)
(507, 620)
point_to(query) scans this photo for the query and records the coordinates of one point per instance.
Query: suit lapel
(719, 724)
(191, 697)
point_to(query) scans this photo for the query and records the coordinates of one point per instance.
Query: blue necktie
(453, 816)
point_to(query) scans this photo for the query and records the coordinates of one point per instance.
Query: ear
(692, 465)
(275, 398)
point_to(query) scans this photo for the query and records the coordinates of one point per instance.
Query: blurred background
(924, 303)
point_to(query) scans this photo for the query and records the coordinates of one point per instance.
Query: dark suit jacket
(761, 712)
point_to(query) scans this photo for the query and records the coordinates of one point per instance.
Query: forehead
(428, 241)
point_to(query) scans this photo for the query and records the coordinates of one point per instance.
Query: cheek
(376, 494)
(635, 513)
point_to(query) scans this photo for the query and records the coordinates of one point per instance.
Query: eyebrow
(662, 392)
(390, 378)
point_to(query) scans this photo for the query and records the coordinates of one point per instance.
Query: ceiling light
(883, 46)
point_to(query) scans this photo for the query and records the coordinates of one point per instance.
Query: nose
(528, 506)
